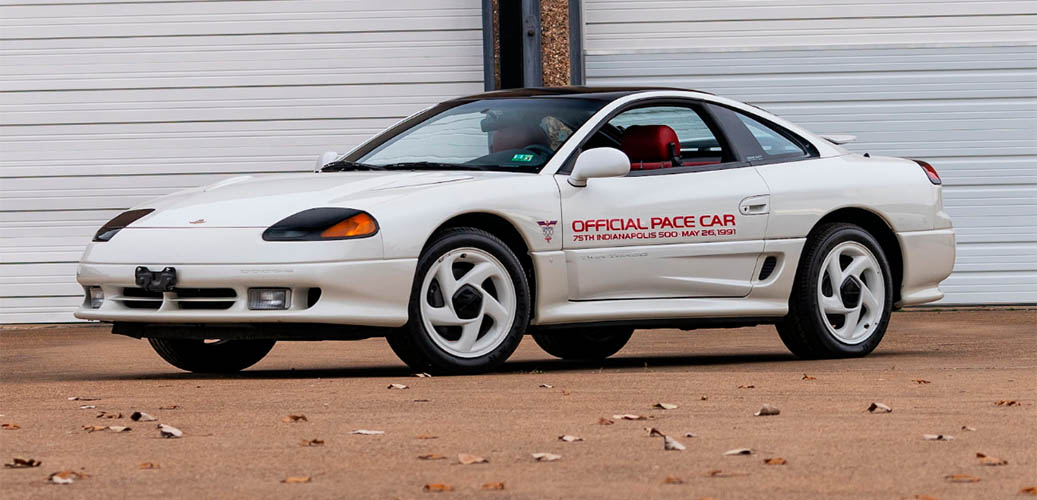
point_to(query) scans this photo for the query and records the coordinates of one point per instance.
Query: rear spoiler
(839, 138)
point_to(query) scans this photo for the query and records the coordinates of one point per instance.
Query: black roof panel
(597, 93)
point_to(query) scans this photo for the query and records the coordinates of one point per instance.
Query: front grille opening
(312, 296)
(149, 300)
(768, 267)
(200, 298)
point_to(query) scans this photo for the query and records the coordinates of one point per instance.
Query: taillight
(930, 172)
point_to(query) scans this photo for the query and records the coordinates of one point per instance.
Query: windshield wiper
(342, 165)
(430, 165)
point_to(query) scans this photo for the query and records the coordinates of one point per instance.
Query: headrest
(516, 137)
(649, 143)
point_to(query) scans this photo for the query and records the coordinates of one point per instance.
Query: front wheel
(218, 356)
(843, 295)
(469, 307)
(584, 344)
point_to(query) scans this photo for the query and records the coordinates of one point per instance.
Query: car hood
(262, 201)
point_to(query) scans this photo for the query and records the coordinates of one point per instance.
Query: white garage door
(950, 82)
(106, 104)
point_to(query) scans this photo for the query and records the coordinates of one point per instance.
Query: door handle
(755, 205)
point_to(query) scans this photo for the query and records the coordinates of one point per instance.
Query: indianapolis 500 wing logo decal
(548, 226)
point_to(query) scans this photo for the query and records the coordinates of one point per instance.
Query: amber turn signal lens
(357, 225)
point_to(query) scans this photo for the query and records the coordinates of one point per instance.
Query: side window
(666, 137)
(773, 143)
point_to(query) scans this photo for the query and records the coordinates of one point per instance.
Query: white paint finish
(105, 105)
(952, 83)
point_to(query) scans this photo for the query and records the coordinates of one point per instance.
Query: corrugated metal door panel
(106, 104)
(968, 104)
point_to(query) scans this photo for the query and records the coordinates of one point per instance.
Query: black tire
(805, 330)
(584, 344)
(413, 343)
(226, 356)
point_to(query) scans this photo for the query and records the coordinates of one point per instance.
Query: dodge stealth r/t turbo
(575, 215)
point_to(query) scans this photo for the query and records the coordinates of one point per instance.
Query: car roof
(595, 93)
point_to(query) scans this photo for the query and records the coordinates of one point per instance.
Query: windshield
(519, 134)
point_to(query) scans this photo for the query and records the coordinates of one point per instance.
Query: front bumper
(361, 293)
(928, 260)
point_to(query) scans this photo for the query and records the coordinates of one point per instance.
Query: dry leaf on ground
(767, 410)
(291, 419)
(570, 438)
(88, 407)
(296, 479)
(546, 386)
(937, 437)
(673, 480)
(431, 456)
(422, 375)
(671, 444)
(148, 465)
(10, 427)
(119, 428)
(921, 381)
(879, 408)
(921, 497)
(422, 400)
(723, 473)
(601, 421)
(653, 432)
(1008, 402)
(66, 477)
(961, 478)
(808, 377)
(169, 407)
(23, 463)
(665, 406)
(94, 428)
(493, 486)
(437, 487)
(629, 416)
(104, 414)
(82, 398)
(690, 434)
(747, 386)
(468, 459)
(739, 451)
(139, 416)
(985, 459)
(312, 442)
(703, 398)
(169, 432)
(1029, 490)
(545, 457)
(365, 432)
(398, 386)
(426, 436)
(775, 461)
(967, 428)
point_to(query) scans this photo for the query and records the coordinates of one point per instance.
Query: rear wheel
(587, 344)
(218, 356)
(469, 306)
(841, 302)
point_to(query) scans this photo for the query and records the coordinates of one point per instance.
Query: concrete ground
(940, 372)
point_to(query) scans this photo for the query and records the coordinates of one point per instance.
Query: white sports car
(572, 214)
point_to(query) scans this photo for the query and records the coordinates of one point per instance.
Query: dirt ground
(938, 371)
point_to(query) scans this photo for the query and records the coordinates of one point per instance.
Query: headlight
(120, 221)
(323, 224)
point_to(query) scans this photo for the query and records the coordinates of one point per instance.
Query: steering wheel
(539, 149)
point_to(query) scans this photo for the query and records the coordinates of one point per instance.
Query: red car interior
(654, 146)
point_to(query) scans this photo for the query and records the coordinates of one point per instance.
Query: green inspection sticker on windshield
(522, 157)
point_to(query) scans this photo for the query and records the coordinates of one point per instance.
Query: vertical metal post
(488, 37)
(532, 68)
(576, 61)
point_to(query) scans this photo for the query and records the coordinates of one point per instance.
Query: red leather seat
(650, 146)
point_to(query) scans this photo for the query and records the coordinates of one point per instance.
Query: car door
(688, 221)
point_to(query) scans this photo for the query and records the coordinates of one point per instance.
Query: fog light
(268, 298)
(96, 297)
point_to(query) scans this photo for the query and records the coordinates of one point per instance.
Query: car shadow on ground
(521, 366)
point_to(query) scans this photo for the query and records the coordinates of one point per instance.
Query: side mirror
(326, 158)
(599, 162)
